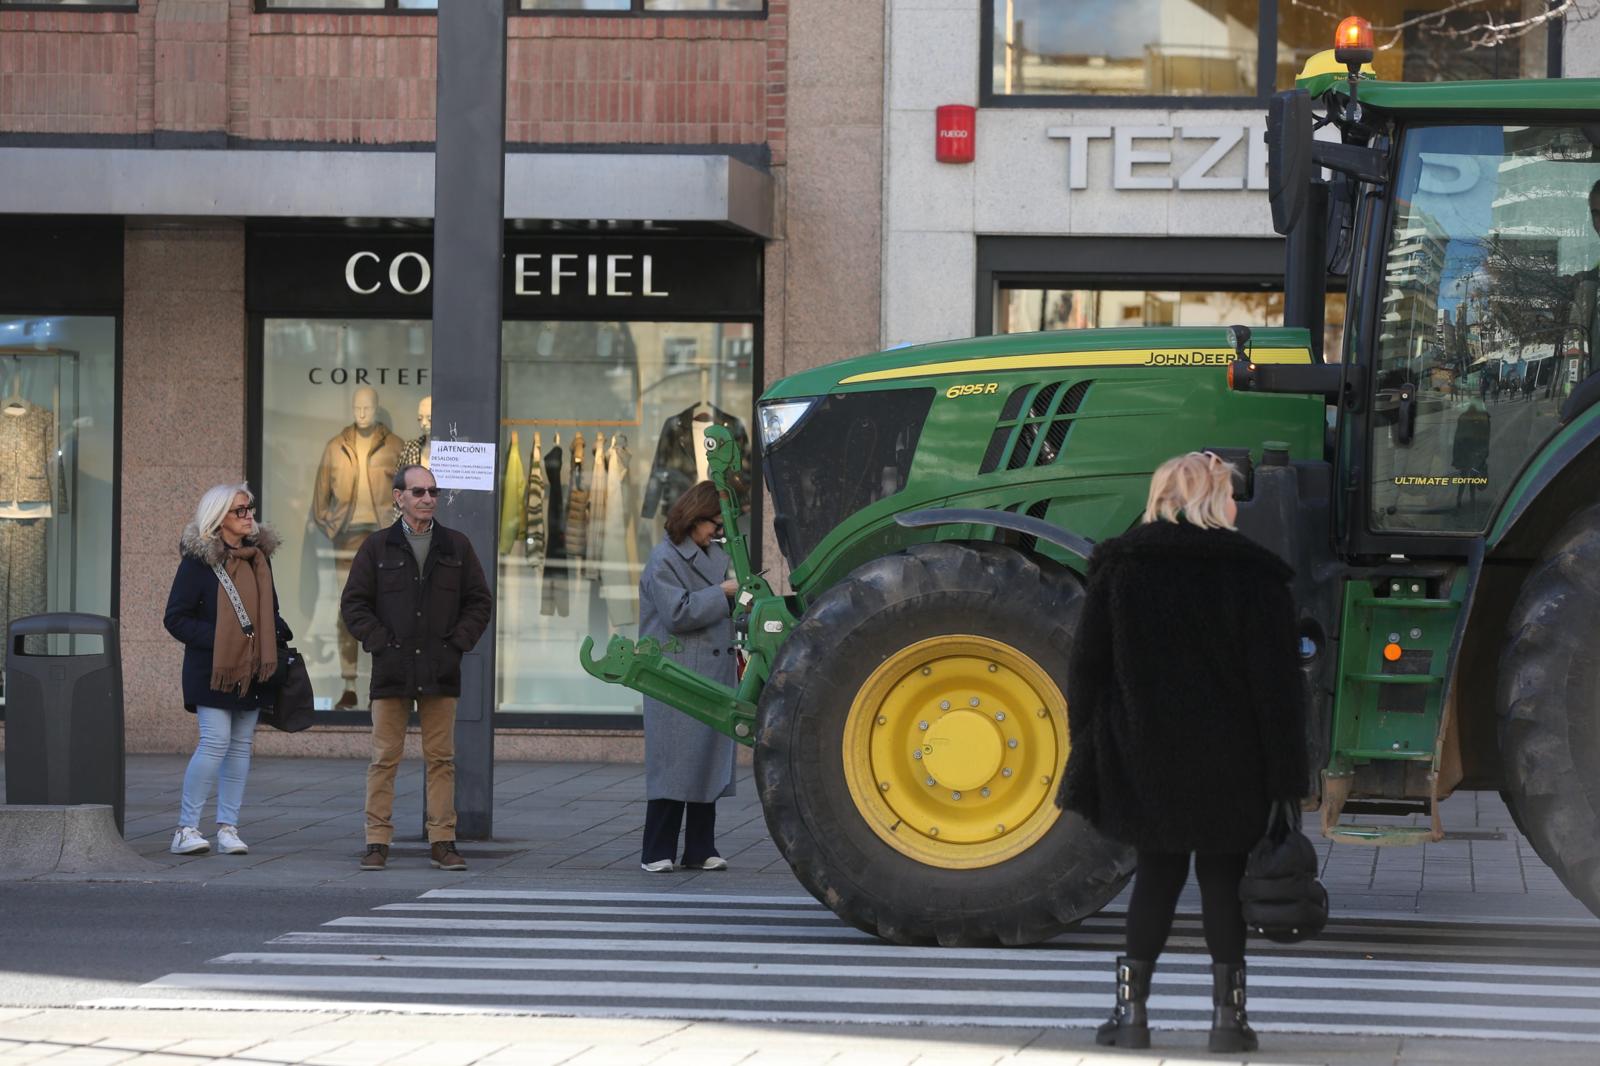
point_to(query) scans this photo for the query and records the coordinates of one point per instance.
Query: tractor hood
(1160, 349)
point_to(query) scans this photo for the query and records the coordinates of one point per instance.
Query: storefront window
(650, 6)
(342, 402)
(58, 419)
(602, 425)
(1125, 47)
(616, 353)
(1421, 40)
(1022, 310)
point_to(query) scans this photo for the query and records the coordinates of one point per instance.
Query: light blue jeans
(224, 750)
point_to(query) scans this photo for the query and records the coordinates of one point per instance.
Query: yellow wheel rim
(951, 749)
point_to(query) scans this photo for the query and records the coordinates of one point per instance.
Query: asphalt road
(61, 944)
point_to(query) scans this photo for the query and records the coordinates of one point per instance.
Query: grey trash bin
(64, 711)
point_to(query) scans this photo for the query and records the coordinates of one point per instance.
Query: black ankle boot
(1129, 1024)
(1230, 1028)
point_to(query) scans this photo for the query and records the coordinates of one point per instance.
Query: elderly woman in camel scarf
(230, 649)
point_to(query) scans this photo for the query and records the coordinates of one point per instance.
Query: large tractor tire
(909, 744)
(1549, 706)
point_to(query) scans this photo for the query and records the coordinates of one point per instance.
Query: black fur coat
(1184, 698)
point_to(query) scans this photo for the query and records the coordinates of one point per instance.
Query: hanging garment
(676, 467)
(555, 599)
(533, 507)
(513, 489)
(578, 507)
(594, 548)
(619, 583)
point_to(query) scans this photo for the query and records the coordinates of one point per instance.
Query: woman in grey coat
(685, 595)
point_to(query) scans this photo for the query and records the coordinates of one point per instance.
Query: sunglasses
(715, 520)
(419, 491)
(242, 512)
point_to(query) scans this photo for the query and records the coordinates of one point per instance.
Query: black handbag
(287, 702)
(1280, 894)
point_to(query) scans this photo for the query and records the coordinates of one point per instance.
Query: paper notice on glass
(462, 464)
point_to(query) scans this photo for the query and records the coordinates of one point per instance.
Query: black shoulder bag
(1281, 896)
(287, 701)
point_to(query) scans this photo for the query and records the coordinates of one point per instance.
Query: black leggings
(1157, 882)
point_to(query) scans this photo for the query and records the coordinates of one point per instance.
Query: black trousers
(1159, 879)
(662, 819)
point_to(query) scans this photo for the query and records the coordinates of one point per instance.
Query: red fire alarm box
(956, 141)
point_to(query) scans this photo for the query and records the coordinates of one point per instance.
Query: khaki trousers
(438, 717)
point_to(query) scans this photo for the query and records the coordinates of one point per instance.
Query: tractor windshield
(1486, 314)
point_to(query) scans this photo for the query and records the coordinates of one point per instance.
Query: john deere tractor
(1435, 482)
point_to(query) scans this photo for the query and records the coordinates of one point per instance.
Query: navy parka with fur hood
(192, 617)
(1184, 695)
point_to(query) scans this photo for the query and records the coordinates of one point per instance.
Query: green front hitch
(644, 665)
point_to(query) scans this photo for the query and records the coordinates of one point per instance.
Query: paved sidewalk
(558, 821)
(188, 1038)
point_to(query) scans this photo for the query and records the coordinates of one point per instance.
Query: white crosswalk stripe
(785, 958)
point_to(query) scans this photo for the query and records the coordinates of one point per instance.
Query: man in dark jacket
(417, 601)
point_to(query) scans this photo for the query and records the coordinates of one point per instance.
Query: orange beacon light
(1353, 42)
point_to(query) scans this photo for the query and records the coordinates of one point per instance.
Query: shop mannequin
(418, 450)
(352, 499)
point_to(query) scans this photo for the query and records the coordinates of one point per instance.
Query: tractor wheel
(909, 744)
(1549, 706)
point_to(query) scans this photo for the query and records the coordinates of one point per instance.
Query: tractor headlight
(778, 418)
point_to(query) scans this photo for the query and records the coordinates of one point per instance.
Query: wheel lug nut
(1011, 743)
(999, 716)
(1006, 772)
(1000, 828)
(882, 720)
(993, 668)
(933, 830)
(922, 725)
(944, 705)
(955, 795)
(883, 786)
(984, 792)
(927, 670)
(916, 755)
(1042, 713)
(931, 782)
(973, 702)
(1045, 780)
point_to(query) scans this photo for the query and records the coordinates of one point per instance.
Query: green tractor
(1435, 483)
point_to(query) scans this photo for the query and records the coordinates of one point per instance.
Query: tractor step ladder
(1393, 653)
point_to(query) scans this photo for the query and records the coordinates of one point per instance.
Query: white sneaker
(716, 862)
(188, 841)
(660, 866)
(228, 841)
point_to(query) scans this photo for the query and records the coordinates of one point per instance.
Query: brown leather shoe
(376, 858)
(347, 700)
(443, 855)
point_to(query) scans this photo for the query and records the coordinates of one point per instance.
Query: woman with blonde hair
(1186, 717)
(224, 610)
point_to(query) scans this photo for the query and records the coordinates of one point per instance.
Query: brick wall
(70, 72)
(216, 66)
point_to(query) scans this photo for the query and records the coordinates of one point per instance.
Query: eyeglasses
(419, 491)
(242, 512)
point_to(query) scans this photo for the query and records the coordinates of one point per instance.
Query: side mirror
(1288, 137)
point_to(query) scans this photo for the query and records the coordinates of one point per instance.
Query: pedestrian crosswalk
(786, 959)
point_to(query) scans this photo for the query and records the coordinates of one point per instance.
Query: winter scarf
(237, 658)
